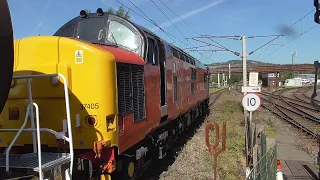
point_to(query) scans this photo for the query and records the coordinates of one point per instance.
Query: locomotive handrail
(41, 130)
(19, 132)
(38, 129)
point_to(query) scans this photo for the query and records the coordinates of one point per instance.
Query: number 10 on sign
(251, 102)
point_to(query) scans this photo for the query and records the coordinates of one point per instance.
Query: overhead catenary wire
(181, 19)
(154, 23)
(283, 32)
(290, 41)
(173, 38)
(170, 21)
(174, 25)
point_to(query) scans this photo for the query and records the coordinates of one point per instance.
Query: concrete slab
(296, 164)
(287, 149)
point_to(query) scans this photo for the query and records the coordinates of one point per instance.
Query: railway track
(295, 110)
(215, 96)
(298, 112)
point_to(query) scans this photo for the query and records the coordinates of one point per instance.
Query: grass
(194, 162)
(214, 89)
(270, 132)
(229, 162)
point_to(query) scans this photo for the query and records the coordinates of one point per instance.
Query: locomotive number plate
(89, 106)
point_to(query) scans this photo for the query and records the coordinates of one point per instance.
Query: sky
(206, 17)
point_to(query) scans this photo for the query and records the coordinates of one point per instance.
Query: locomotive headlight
(99, 12)
(54, 80)
(91, 120)
(83, 14)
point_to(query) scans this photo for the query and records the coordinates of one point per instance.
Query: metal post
(229, 72)
(244, 60)
(226, 80)
(218, 80)
(223, 79)
(244, 79)
(34, 141)
(293, 53)
(292, 65)
(250, 133)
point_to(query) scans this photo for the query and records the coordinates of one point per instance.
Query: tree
(120, 12)
(110, 10)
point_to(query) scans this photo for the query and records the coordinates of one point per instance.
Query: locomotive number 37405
(89, 106)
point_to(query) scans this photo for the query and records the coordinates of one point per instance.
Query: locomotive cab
(104, 29)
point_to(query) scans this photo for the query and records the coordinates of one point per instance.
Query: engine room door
(163, 79)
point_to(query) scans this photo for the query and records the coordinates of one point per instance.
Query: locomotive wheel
(6, 50)
(127, 169)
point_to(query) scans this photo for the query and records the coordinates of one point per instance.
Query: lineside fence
(264, 159)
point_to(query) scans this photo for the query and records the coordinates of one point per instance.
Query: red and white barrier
(279, 170)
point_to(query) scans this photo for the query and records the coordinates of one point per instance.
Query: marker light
(91, 120)
(99, 12)
(55, 80)
(83, 13)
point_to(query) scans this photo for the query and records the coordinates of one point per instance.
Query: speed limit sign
(251, 102)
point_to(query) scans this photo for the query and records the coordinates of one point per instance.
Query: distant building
(305, 76)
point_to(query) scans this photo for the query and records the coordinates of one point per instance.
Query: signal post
(250, 102)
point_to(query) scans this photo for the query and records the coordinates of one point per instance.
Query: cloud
(107, 4)
(187, 15)
(43, 19)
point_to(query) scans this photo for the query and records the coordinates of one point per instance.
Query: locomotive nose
(6, 51)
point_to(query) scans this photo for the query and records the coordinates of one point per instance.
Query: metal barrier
(36, 137)
(214, 149)
(266, 167)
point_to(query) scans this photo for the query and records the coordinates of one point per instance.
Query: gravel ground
(274, 125)
(194, 162)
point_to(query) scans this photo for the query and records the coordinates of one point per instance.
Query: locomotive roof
(141, 28)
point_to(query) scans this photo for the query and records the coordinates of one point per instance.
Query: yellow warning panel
(78, 56)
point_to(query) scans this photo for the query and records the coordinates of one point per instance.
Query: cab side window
(153, 52)
(68, 31)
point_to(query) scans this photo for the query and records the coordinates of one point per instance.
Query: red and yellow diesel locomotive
(131, 94)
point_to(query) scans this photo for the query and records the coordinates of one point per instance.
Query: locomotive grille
(138, 92)
(130, 80)
(124, 89)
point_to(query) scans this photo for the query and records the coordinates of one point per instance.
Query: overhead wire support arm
(226, 37)
(220, 45)
(196, 47)
(277, 35)
(265, 43)
(207, 50)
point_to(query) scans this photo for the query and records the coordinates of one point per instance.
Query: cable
(170, 21)
(282, 34)
(180, 18)
(264, 45)
(290, 41)
(159, 26)
(184, 20)
(152, 22)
